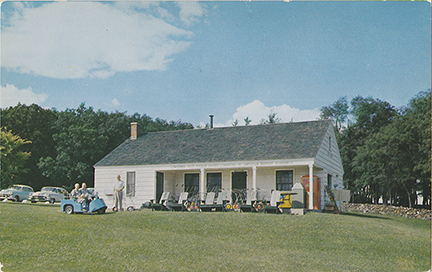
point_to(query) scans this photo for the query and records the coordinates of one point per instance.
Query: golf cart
(70, 206)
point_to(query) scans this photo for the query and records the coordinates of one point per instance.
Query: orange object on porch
(316, 190)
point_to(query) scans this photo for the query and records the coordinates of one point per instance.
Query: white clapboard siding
(328, 158)
(106, 177)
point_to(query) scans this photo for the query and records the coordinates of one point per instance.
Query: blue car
(70, 206)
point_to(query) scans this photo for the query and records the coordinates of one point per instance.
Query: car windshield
(15, 187)
(47, 189)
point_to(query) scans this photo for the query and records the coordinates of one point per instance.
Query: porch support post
(311, 188)
(202, 184)
(254, 180)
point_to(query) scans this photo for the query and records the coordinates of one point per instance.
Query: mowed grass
(37, 237)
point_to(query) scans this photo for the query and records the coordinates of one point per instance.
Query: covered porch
(262, 177)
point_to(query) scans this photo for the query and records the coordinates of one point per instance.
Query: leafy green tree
(369, 116)
(147, 124)
(35, 124)
(386, 151)
(79, 144)
(394, 163)
(12, 157)
(84, 136)
(348, 142)
(271, 119)
(247, 121)
(338, 112)
(384, 165)
(416, 123)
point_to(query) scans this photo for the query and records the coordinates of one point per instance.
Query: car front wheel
(52, 200)
(68, 209)
(17, 198)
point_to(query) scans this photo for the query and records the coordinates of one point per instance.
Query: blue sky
(186, 60)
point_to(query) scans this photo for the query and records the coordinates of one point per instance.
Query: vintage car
(16, 192)
(70, 206)
(51, 194)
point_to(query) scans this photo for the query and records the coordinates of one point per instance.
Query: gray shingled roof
(244, 143)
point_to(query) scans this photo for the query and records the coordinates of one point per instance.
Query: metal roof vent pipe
(211, 120)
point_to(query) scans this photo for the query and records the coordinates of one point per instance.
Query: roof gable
(243, 143)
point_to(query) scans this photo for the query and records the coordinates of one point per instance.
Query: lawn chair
(162, 205)
(249, 206)
(181, 203)
(221, 202)
(209, 202)
(193, 202)
(274, 203)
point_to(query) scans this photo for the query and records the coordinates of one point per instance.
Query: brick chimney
(134, 131)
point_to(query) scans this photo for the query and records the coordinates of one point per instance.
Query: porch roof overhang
(234, 165)
(223, 165)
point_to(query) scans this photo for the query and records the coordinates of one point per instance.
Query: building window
(192, 183)
(329, 181)
(214, 182)
(330, 143)
(159, 185)
(130, 183)
(284, 180)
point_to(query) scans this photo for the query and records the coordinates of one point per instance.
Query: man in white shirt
(75, 194)
(84, 197)
(118, 193)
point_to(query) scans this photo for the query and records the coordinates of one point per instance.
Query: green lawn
(38, 237)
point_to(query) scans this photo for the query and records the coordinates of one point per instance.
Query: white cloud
(190, 12)
(11, 95)
(69, 40)
(131, 6)
(115, 102)
(257, 110)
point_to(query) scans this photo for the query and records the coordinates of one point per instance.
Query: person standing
(118, 193)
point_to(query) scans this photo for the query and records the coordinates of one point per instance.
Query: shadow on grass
(28, 203)
(95, 213)
(375, 216)
(108, 212)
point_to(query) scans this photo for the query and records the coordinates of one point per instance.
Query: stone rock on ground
(388, 210)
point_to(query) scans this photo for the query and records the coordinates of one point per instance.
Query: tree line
(385, 151)
(43, 147)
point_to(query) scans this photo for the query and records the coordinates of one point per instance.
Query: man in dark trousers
(118, 194)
